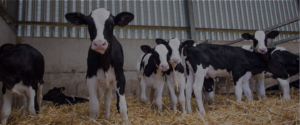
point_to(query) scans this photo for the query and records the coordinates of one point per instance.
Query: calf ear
(76, 18)
(188, 43)
(122, 19)
(247, 36)
(160, 41)
(273, 34)
(295, 61)
(146, 48)
(7, 49)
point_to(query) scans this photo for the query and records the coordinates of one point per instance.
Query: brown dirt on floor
(273, 110)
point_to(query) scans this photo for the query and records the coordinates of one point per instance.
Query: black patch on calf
(21, 62)
(179, 68)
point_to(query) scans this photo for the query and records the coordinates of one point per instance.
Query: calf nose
(165, 67)
(175, 60)
(263, 50)
(99, 43)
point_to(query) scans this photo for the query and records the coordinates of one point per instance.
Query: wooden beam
(5, 14)
(141, 27)
(192, 20)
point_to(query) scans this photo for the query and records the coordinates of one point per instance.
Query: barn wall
(66, 66)
(6, 36)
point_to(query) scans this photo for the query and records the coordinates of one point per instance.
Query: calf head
(174, 46)
(101, 24)
(53, 94)
(260, 40)
(208, 84)
(275, 65)
(186, 44)
(160, 55)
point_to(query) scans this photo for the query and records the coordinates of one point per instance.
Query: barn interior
(41, 23)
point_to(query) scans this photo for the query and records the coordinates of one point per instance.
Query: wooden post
(192, 20)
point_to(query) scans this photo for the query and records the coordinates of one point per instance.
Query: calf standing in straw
(150, 70)
(175, 75)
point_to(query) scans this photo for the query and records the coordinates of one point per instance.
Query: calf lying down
(59, 98)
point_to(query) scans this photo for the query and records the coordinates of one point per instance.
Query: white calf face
(161, 56)
(102, 26)
(260, 41)
(175, 56)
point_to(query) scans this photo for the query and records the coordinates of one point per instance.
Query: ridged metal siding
(244, 15)
(221, 14)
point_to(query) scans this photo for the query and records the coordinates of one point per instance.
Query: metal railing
(268, 29)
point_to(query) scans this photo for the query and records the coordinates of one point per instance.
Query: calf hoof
(190, 111)
(184, 112)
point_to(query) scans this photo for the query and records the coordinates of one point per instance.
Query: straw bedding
(225, 111)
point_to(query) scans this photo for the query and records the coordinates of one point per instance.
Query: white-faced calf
(59, 98)
(150, 70)
(21, 71)
(175, 73)
(105, 58)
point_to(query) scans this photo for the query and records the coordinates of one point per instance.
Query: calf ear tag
(61, 90)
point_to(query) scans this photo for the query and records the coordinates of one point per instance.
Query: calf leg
(181, 94)
(247, 90)
(94, 106)
(23, 102)
(228, 85)
(107, 101)
(238, 90)
(252, 85)
(260, 87)
(6, 108)
(173, 97)
(120, 90)
(159, 91)
(198, 85)
(31, 94)
(143, 91)
(152, 94)
(189, 91)
(284, 83)
(40, 96)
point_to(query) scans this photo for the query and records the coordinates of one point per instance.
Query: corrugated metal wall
(244, 15)
(221, 14)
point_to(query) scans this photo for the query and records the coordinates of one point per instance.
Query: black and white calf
(150, 70)
(59, 98)
(259, 39)
(105, 58)
(219, 60)
(175, 73)
(21, 71)
(287, 60)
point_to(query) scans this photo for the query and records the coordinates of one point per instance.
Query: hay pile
(226, 111)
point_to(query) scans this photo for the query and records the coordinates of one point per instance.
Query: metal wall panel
(219, 14)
